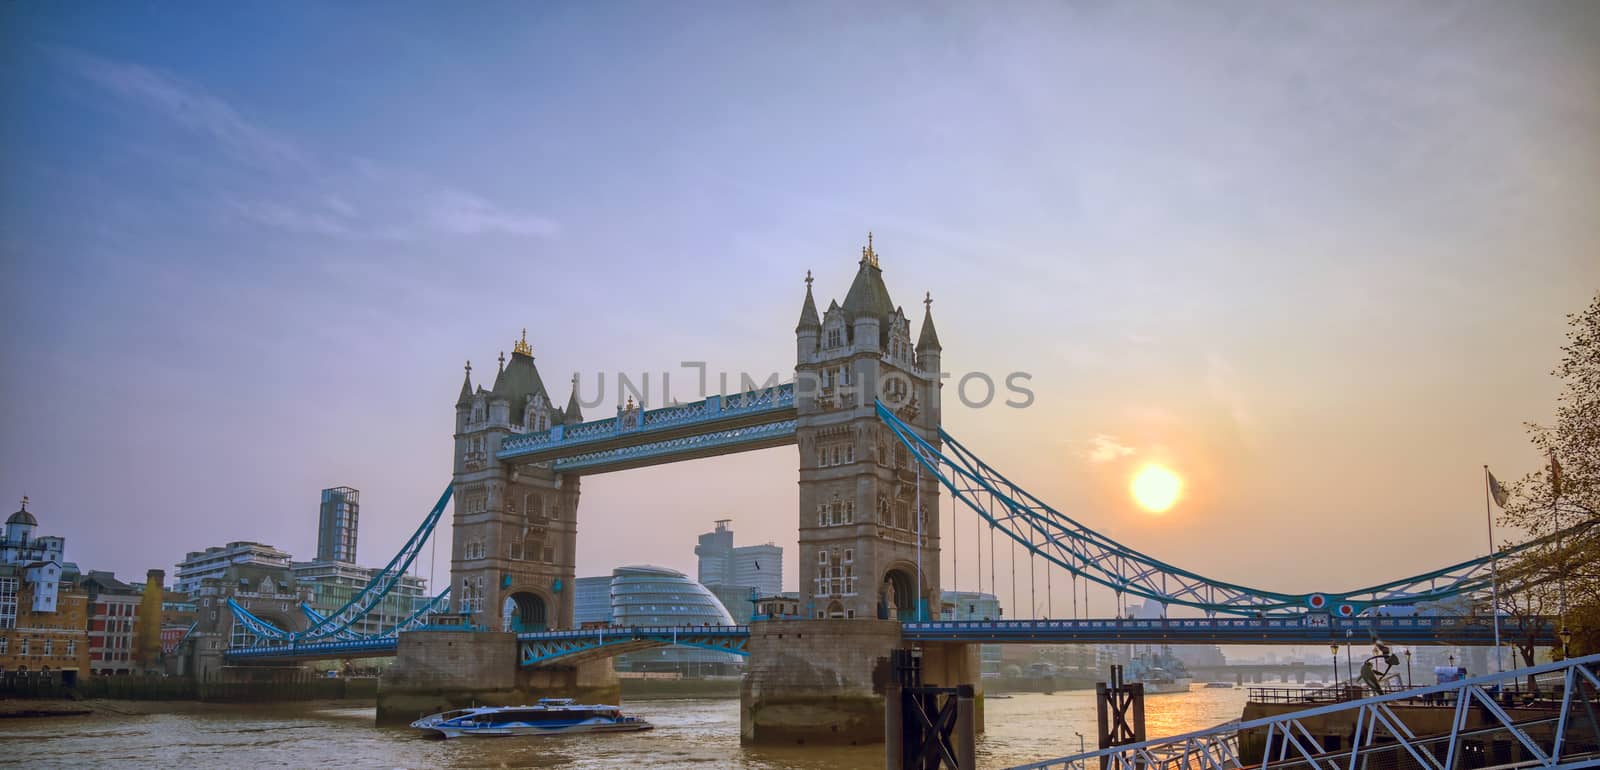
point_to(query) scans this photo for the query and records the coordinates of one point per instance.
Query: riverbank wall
(221, 689)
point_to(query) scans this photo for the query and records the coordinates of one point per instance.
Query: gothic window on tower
(835, 337)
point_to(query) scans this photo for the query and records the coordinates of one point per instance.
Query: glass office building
(657, 596)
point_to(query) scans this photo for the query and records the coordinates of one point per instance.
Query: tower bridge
(873, 460)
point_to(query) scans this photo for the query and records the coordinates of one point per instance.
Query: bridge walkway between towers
(635, 438)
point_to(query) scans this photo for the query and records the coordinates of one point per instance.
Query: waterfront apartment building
(219, 561)
(43, 608)
(337, 524)
(113, 609)
(333, 584)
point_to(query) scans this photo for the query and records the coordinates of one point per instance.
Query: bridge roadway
(559, 647)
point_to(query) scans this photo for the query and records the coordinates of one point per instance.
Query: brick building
(44, 610)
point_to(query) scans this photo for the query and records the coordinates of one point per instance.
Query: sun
(1155, 488)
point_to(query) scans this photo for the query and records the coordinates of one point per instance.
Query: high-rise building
(336, 526)
(591, 600)
(752, 566)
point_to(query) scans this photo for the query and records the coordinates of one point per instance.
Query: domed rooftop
(22, 516)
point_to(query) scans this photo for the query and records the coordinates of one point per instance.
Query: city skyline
(1316, 298)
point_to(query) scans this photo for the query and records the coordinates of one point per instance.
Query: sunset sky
(1315, 260)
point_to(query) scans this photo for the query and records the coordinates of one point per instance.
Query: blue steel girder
(560, 648)
(668, 434)
(366, 647)
(1082, 551)
(1281, 629)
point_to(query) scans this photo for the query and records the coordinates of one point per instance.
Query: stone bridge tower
(860, 521)
(515, 527)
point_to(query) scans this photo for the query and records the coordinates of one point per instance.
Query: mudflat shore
(105, 707)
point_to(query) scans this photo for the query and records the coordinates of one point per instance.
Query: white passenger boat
(551, 716)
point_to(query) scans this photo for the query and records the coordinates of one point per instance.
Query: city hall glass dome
(656, 596)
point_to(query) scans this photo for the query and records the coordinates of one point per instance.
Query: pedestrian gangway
(1563, 732)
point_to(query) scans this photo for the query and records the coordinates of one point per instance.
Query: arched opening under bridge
(526, 612)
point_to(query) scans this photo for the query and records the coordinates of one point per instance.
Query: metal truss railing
(1279, 629)
(709, 410)
(1558, 732)
(336, 625)
(538, 648)
(666, 448)
(1059, 539)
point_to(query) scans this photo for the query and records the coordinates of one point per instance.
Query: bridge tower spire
(860, 525)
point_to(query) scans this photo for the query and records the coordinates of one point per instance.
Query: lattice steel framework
(568, 647)
(1563, 733)
(1059, 539)
(336, 626)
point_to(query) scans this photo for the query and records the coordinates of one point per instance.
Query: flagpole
(1494, 572)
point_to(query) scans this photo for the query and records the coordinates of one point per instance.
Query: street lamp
(1081, 749)
(1408, 668)
(1349, 672)
(1566, 641)
(1335, 649)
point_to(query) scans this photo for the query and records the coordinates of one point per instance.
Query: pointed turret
(572, 415)
(808, 311)
(928, 339)
(466, 389)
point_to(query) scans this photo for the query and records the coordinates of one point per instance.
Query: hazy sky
(1315, 259)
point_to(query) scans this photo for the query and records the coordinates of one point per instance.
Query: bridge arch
(527, 609)
(897, 592)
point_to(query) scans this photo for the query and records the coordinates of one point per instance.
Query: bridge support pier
(441, 670)
(824, 681)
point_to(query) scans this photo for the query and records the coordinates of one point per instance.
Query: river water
(700, 734)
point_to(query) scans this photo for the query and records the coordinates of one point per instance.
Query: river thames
(699, 734)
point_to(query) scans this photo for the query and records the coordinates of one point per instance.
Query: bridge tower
(861, 509)
(515, 527)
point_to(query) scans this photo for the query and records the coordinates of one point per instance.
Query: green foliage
(1563, 577)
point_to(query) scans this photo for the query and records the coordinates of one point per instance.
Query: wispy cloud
(1103, 448)
(462, 212)
(291, 188)
(188, 106)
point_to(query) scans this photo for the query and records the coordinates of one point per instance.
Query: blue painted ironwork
(290, 648)
(704, 417)
(1561, 736)
(336, 625)
(1069, 544)
(1280, 629)
(541, 648)
(764, 434)
(369, 646)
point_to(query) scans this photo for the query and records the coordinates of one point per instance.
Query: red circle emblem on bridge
(1317, 601)
(1346, 610)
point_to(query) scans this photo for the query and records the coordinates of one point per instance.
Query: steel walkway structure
(1482, 734)
(756, 419)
